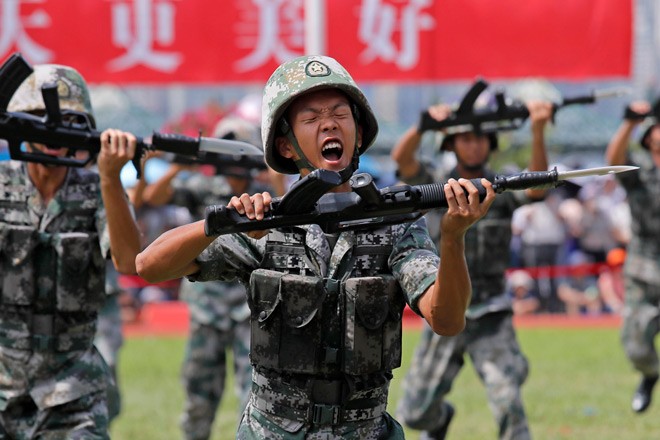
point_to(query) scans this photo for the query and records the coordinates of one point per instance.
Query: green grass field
(579, 387)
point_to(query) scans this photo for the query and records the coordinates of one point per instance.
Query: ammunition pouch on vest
(372, 341)
(17, 244)
(70, 285)
(487, 249)
(288, 329)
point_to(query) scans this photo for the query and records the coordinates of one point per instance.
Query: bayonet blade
(227, 146)
(612, 92)
(598, 171)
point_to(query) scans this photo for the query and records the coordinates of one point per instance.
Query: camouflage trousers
(641, 324)
(108, 340)
(491, 343)
(82, 419)
(204, 372)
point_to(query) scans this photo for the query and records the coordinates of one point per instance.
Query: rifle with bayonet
(74, 130)
(366, 206)
(505, 115)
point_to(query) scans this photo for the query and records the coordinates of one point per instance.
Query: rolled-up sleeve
(414, 261)
(229, 257)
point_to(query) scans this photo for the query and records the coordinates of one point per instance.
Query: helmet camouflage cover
(297, 77)
(239, 128)
(71, 90)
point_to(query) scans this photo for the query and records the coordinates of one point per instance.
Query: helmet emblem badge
(317, 68)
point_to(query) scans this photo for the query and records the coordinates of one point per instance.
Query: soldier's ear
(359, 136)
(284, 148)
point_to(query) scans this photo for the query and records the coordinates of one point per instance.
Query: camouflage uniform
(325, 309)
(642, 268)
(219, 320)
(109, 337)
(489, 337)
(326, 324)
(52, 378)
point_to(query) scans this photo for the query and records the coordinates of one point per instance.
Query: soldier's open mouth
(332, 151)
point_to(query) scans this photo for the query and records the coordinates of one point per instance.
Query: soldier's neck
(470, 172)
(47, 179)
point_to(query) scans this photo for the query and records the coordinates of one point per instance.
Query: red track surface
(171, 318)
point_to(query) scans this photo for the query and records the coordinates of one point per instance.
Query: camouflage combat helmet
(71, 90)
(234, 127)
(297, 77)
(484, 100)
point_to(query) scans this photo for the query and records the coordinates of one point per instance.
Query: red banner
(242, 41)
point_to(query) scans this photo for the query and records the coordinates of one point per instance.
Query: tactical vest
(487, 246)
(302, 323)
(52, 282)
(487, 251)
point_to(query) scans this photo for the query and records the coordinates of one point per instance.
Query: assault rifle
(75, 131)
(366, 206)
(505, 115)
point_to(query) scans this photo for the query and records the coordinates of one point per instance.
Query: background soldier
(641, 311)
(489, 337)
(219, 314)
(57, 226)
(326, 308)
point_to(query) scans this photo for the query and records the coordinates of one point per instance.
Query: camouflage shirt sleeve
(414, 261)
(102, 226)
(232, 256)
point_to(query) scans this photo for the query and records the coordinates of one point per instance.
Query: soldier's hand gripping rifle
(74, 130)
(634, 116)
(505, 115)
(308, 202)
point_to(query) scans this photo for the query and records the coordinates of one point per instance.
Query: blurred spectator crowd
(568, 250)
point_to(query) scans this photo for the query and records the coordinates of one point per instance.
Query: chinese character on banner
(13, 32)
(380, 22)
(275, 31)
(137, 26)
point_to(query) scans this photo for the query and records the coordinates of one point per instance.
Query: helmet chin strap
(302, 161)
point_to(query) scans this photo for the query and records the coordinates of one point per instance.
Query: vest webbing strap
(292, 405)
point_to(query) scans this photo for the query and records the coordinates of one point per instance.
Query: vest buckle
(325, 414)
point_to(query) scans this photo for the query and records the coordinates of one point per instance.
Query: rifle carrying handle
(303, 194)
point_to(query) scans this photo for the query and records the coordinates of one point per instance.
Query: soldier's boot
(441, 432)
(642, 397)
